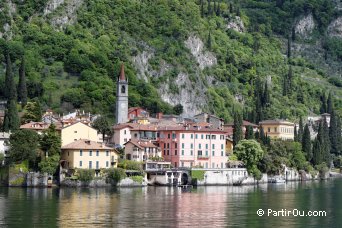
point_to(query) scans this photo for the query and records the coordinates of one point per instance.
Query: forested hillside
(216, 56)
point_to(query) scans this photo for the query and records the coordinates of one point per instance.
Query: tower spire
(122, 73)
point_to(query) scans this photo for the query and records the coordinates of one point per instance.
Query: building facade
(121, 98)
(278, 129)
(188, 147)
(78, 131)
(215, 121)
(140, 151)
(87, 154)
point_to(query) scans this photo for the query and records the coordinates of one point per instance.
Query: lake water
(173, 207)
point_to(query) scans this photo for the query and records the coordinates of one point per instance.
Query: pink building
(187, 146)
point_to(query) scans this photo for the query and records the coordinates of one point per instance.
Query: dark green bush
(85, 174)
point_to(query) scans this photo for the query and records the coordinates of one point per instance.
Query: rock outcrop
(335, 28)
(305, 26)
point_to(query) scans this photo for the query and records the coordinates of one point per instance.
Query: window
(206, 153)
(191, 153)
(206, 146)
(206, 165)
(182, 152)
(90, 153)
(199, 146)
(192, 146)
(192, 136)
(269, 129)
(107, 164)
(175, 152)
(207, 136)
(176, 164)
(164, 152)
(222, 137)
(213, 146)
(168, 136)
(213, 153)
(173, 135)
(90, 164)
(168, 152)
(168, 145)
(176, 145)
(107, 153)
(196, 136)
(123, 89)
(183, 136)
(183, 145)
(182, 164)
(81, 153)
(213, 165)
(199, 153)
(222, 154)
(275, 129)
(125, 140)
(75, 132)
(125, 132)
(80, 163)
(97, 153)
(202, 136)
(97, 164)
(221, 165)
(221, 146)
(213, 137)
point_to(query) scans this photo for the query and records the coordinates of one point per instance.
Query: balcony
(202, 157)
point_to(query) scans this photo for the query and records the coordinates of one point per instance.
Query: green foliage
(138, 179)
(32, 112)
(237, 129)
(197, 174)
(85, 175)
(131, 165)
(306, 143)
(22, 88)
(50, 141)
(322, 169)
(49, 165)
(20, 181)
(116, 174)
(102, 125)
(24, 145)
(2, 159)
(11, 121)
(250, 153)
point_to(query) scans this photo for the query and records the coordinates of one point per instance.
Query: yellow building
(279, 129)
(86, 154)
(78, 131)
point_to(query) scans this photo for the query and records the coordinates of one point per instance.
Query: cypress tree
(300, 95)
(317, 153)
(323, 108)
(237, 131)
(333, 134)
(330, 104)
(306, 143)
(11, 121)
(202, 9)
(249, 132)
(289, 47)
(209, 7)
(266, 96)
(10, 90)
(231, 8)
(262, 135)
(290, 79)
(218, 9)
(22, 89)
(215, 6)
(209, 40)
(324, 141)
(300, 130)
(295, 137)
(339, 135)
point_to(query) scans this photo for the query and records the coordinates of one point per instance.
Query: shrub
(138, 179)
(116, 174)
(197, 174)
(86, 174)
(131, 165)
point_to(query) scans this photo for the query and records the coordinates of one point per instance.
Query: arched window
(123, 89)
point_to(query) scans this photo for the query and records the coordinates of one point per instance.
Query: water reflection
(171, 207)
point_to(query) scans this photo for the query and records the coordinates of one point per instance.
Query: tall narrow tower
(121, 97)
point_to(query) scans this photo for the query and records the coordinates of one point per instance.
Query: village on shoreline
(142, 148)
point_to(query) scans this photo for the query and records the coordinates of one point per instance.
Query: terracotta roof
(77, 123)
(35, 126)
(122, 73)
(142, 144)
(86, 145)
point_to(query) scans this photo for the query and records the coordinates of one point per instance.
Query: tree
(22, 89)
(324, 142)
(32, 112)
(237, 129)
(306, 143)
(333, 134)
(23, 145)
(250, 153)
(323, 108)
(295, 137)
(202, 9)
(2, 159)
(50, 164)
(209, 7)
(249, 133)
(330, 104)
(50, 142)
(10, 91)
(317, 153)
(209, 40)
(289, 44)
(300, 129)
(101, 124)
(11, 120)
(178, 109)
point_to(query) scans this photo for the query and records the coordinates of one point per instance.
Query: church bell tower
(122, 97)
